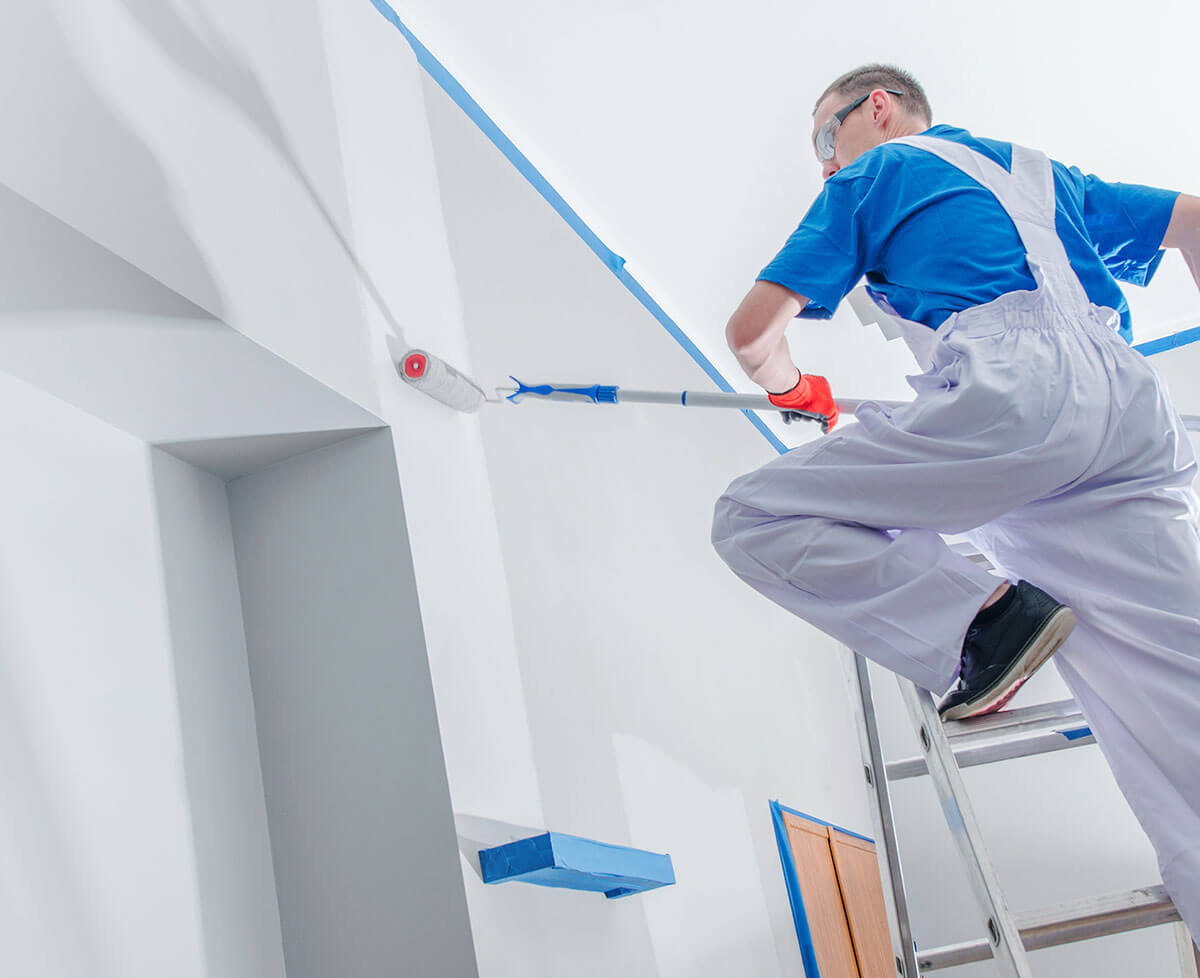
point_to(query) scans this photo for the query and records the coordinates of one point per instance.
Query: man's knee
(742, 528)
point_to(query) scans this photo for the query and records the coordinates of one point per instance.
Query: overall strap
(1027, 196)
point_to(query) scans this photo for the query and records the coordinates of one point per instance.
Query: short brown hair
(866, 79)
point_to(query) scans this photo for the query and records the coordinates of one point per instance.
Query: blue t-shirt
(933, 241)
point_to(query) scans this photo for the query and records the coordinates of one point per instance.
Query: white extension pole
(598, 394)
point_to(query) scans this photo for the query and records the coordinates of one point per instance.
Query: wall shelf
(567, 861)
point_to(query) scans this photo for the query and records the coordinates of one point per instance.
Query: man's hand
(810, 396)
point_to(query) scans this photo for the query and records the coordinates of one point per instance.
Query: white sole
(1049, 639)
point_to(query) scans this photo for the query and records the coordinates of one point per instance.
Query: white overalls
(1038, 432)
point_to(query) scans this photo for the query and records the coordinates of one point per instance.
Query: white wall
(235, 881)
(199, 144)
(364, 847)
(245, 152)
(208, 154)
(136, 831)
(100, 869)
(668, 703)
(174, 739)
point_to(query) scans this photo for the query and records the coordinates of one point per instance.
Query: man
(1035, 430)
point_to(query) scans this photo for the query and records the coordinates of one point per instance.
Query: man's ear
(881, 108)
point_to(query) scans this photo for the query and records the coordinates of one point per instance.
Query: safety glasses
(826, 137)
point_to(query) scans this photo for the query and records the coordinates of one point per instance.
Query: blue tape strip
(808, 952)
(1172, 342)
(611, 259)
(1077, 734)
(821, 821)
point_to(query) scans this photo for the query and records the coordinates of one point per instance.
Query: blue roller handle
(596, 393)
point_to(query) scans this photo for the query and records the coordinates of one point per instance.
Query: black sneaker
(1005, 645)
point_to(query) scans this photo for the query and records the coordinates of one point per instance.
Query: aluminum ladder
(947, 748)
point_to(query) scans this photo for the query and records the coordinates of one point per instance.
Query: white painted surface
(88, 327)
(99, 869)
(356, 793)
(447, 484)
(235, 882)
(667, 703)
(200, 145)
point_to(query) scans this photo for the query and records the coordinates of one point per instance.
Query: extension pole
(604, 394)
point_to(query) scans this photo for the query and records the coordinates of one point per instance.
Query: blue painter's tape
(808, 951)
(821, 821)
(791, 880)
(615, 263)
(1077, 734)
(569, 862)
(1172, 342)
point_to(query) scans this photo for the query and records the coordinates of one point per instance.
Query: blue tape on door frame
(808, 952)
(614, 262)
(1172, 342)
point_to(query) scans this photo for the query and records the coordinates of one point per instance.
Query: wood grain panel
(822, 897)
(862, 893)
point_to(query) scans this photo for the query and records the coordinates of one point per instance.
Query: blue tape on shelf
(616, 264)
(1172, 342)
(570, 862)
(1077, 734)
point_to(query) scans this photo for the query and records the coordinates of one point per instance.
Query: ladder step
(1066, 923)
(1007, 734)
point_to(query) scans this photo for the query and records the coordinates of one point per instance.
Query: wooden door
(822, 896)
(862, 895)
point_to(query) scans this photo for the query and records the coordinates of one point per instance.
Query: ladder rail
(888, 854)
(1005, 940)
(1038, 729)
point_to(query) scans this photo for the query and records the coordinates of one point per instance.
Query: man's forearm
(1184, 233)
(1192, 257)
(756, 335)
(772, 370)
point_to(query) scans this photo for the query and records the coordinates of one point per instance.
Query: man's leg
(903, 599)
(1122, 548)
(810, 530)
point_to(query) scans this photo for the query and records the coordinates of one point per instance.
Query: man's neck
(904, 127)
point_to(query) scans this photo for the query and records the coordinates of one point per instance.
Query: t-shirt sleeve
(1126, 223)
(825, 256)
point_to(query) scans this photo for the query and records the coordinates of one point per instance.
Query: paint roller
(433, 376)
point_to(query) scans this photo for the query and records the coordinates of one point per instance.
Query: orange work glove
(810, 399)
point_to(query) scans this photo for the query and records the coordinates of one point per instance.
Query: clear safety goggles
(826, 138)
